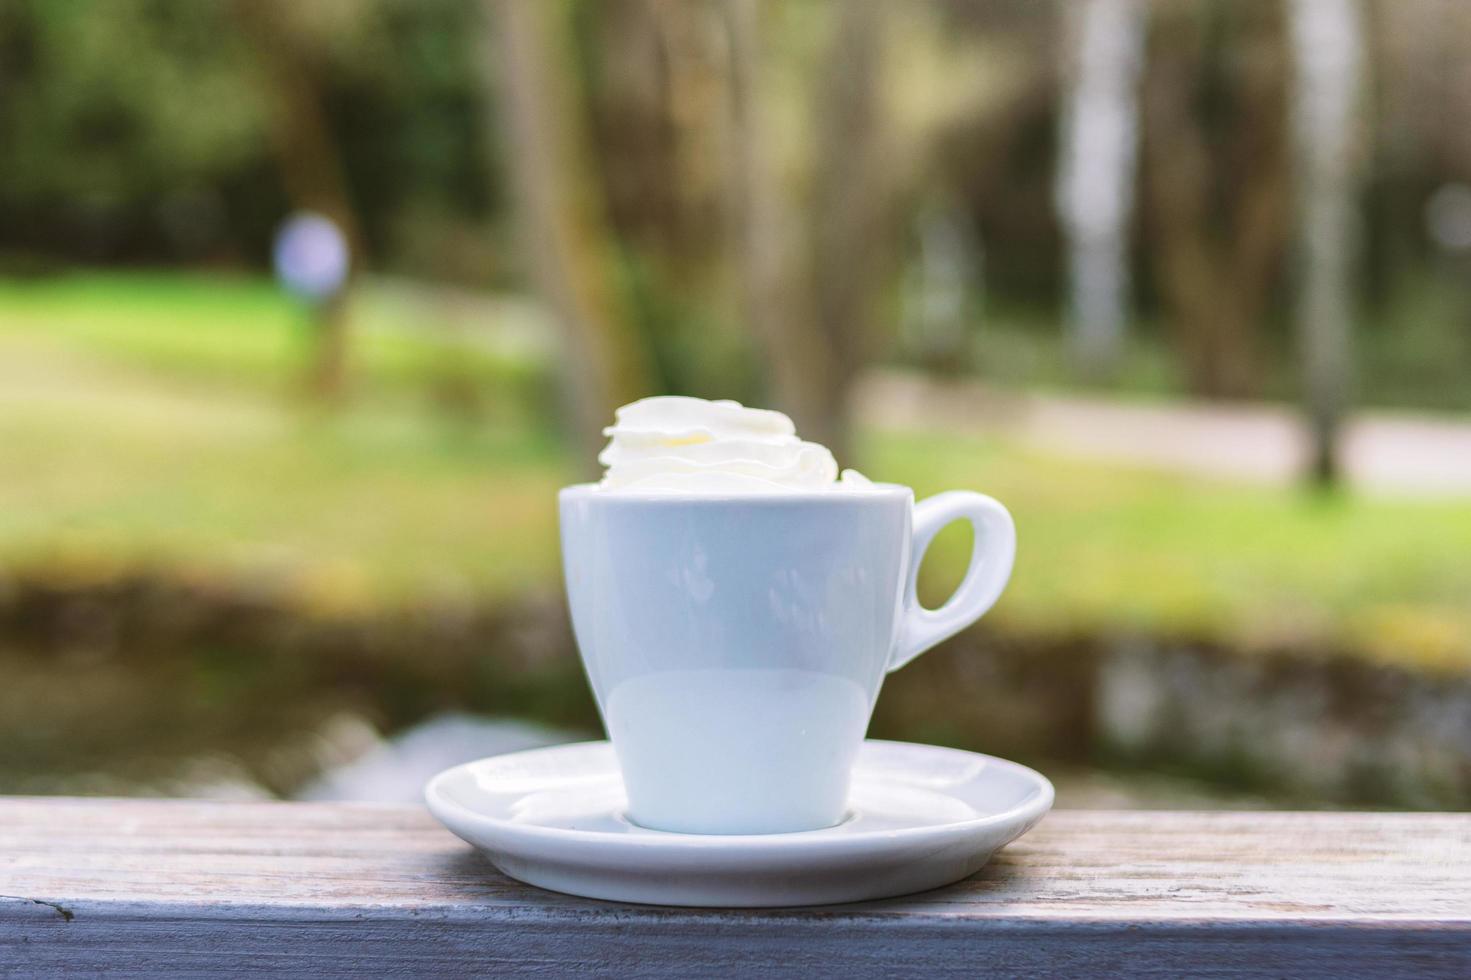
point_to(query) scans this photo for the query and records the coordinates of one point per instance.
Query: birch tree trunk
(563, 228)
(1096, 174)
(1327, 41)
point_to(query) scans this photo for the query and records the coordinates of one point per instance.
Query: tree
(658, 74)
(853, 200)
(1095, 179)
(1327, 41)
(1216, 182)
(760, 216)
(309, 163)
(812, 290)
(560, 215)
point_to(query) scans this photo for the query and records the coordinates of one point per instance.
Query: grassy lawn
(1122, 547)
(151, 421)
(155, 420)
(245, 332)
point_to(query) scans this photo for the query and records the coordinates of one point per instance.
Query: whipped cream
(673, 443)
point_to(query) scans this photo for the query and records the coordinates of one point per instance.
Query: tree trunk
(628, 96)
(1328, 45)
(311, 169)
(1095, 181)
(760, 218)
(1215, 209)
(562, 225)
(813, 310)
(658, 99)
(851, 252)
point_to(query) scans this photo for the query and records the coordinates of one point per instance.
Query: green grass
(154, 420)
(378, 502)
(245, 332)
(1128, 548)
(150, 422)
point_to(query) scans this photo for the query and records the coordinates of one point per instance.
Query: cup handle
(991, 558)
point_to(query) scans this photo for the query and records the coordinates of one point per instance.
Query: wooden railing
(159, 888)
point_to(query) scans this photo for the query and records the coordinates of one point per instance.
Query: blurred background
(307, 310)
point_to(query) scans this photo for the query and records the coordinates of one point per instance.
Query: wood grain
(150, 888)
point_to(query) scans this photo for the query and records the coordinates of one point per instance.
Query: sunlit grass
(126, 441)
(245, 332)
(157, 421)
(370, 504)
(1121, 547)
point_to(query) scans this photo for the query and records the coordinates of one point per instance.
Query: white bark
(940, 286)
(1327, 41)
(1095, 180)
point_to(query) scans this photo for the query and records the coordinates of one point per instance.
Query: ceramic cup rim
(869, 494)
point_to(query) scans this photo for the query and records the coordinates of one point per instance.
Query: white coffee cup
(736, 644)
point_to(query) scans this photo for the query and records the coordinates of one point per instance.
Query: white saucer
(921, 817)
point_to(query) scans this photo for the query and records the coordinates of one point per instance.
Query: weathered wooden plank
(151, 888)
